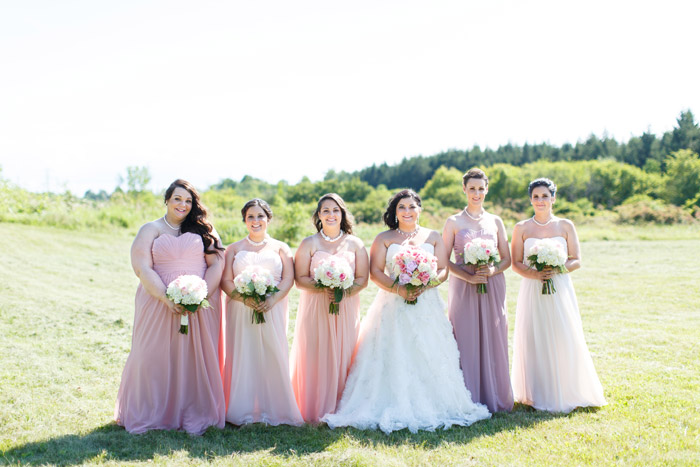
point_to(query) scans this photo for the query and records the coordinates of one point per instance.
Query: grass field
(65, 328)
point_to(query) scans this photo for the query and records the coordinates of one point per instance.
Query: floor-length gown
(406, 370)
(256, 368)
(323, 347)
(481, 330)
(552, 368)
(172, 380)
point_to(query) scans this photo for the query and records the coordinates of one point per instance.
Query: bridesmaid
(172, 380)
(324, 343)
(552, 368)
(256, 369)
(479, 320)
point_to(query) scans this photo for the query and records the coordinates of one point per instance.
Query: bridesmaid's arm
(441, 253)
(215, 268)
(287, 280)
(448, 238)
(361, 268)
(574, 261)
(503, 249)
(516, 247)
(302, 264)
(227, 277)
(142, 263)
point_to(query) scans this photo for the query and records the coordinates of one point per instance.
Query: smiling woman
(171, 380)
(318, 377)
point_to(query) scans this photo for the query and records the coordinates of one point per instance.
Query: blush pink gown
(172, 381)
(256, 368)
(323, 347)
(552, 367)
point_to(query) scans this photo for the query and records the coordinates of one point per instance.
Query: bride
(406, 372)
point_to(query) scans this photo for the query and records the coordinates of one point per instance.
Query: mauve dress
(481, 330)
(323, 347)
(172, 381)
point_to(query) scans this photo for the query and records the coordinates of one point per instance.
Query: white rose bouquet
(480, 251)
(547, 252)
(334, 273)
(258, 283)
(190, 291)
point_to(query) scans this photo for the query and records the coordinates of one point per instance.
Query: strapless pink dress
(256, 369)
(323, 347)
(172, 381)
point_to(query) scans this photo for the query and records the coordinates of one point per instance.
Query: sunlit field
(66, 315)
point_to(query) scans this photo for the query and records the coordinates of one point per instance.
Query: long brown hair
(196, 220)
(346, 220)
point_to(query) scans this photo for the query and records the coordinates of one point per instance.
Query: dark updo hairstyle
(196, 220)
(346, 221)
(475, 173)
(541, 182)
(390, 214)
(257, 202)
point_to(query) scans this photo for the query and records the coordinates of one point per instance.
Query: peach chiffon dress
(172, 381)
(323, 347)
(256, 368)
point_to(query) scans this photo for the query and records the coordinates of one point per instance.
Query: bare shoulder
(434, 236)
(356, 242)
(280, 246)
(149, 230)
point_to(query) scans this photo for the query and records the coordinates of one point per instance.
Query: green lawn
(65, 324)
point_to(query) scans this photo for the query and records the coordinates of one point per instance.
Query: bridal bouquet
(334, 273)
(547, 252)
(481, 251)
(256, 282)
(190, 291)
(414, 268)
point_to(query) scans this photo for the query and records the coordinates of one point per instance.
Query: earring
(396, 219)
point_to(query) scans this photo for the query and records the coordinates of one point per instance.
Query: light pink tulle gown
(323, 347)
(256, 368)
(552, 368)
(172, 381)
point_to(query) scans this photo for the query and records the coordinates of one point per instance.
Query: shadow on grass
(111, 442)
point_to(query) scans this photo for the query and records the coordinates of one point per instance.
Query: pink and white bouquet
(547, 252)
(258, 283)
(480, 251)
(190, 291)
(414, 268)
(334, 273)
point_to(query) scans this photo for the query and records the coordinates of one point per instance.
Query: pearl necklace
(329, 239)
(541, 224)
(168, 224)
(472, 217)
(408, 235)
(264, 240)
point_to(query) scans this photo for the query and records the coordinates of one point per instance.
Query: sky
(279, 90)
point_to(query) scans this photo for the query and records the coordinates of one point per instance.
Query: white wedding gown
(406, 371)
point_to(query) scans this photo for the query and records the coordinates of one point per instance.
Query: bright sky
(207, 90)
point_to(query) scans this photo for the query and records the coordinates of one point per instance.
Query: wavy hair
(390, 214)
(196, 220)
(346, 221)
